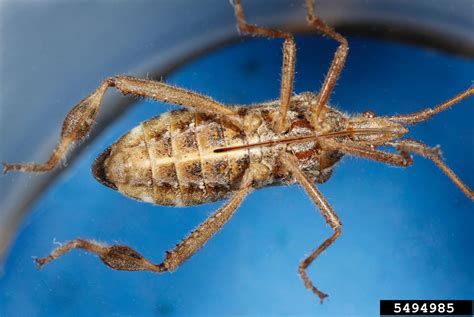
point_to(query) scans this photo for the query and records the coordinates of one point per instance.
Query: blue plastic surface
(408, 233)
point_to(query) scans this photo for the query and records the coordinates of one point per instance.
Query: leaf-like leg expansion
(327, 211)
(288, 68)
(80, 119)
(337, 63)
(433, 154)
(403, 159)
(76, 126)
(121, 257)
(429, 112)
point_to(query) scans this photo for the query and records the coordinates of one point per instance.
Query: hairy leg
(290, 162)
(288, 68)
(337, 63)
(122, 257)
(434, 155)
(80, 119)
(403, 159)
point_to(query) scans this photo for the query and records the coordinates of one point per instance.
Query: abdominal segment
(170, 160)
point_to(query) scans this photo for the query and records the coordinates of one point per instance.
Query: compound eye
(369, 114)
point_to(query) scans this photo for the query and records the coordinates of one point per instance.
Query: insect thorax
(171, 159)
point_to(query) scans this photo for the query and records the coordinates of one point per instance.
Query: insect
(212, 152)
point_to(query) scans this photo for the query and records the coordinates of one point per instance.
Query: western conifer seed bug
(210, 152)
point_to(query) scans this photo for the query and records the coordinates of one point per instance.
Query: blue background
(407, 232)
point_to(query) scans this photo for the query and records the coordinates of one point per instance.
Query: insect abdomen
(170, 160)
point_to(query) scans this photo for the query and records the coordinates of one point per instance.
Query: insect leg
(206, 230)
(326, 210)
(122, 257)
(170, 94)
(434, 155)
(80, 119)
(429, 112)
(119, 257)
(337, 63)
(288, 68)
(403, 159)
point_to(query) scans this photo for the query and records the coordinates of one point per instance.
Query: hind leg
(122, 257)
(80, 119)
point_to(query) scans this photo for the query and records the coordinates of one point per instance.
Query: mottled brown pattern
(239, 161)
(186, 157)
(210, 135)
(170, 159)
(158, 140)
(128, 166)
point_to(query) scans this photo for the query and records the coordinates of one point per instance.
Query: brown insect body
(210, 151)
(171, 159)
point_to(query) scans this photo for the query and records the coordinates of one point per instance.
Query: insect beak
(98, 169)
